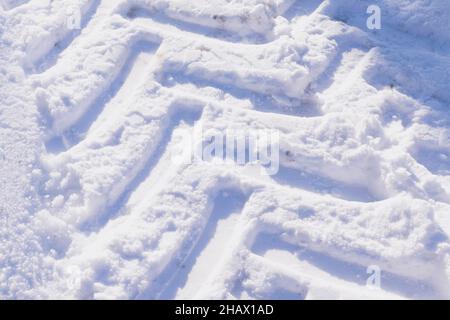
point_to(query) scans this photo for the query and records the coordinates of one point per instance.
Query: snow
(92, 205)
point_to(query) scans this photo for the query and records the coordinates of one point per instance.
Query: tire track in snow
(12, 4)
(222, 25)
(183, 280)
(162, 21)
(132, 51)
(48, 60)
(316, 183)
(89, 114)
(153, 173)
(435, 159)
(149, 159)
(302, 8)
(268, 82)
(303, 107)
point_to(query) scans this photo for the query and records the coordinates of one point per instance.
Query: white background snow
(91, 207)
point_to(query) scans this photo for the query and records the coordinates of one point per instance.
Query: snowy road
(97, 98)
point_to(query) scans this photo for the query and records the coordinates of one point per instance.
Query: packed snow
(98, 98)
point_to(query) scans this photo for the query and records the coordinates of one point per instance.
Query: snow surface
(92, 207)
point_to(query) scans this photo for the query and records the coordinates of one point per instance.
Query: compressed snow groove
(364, 152)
